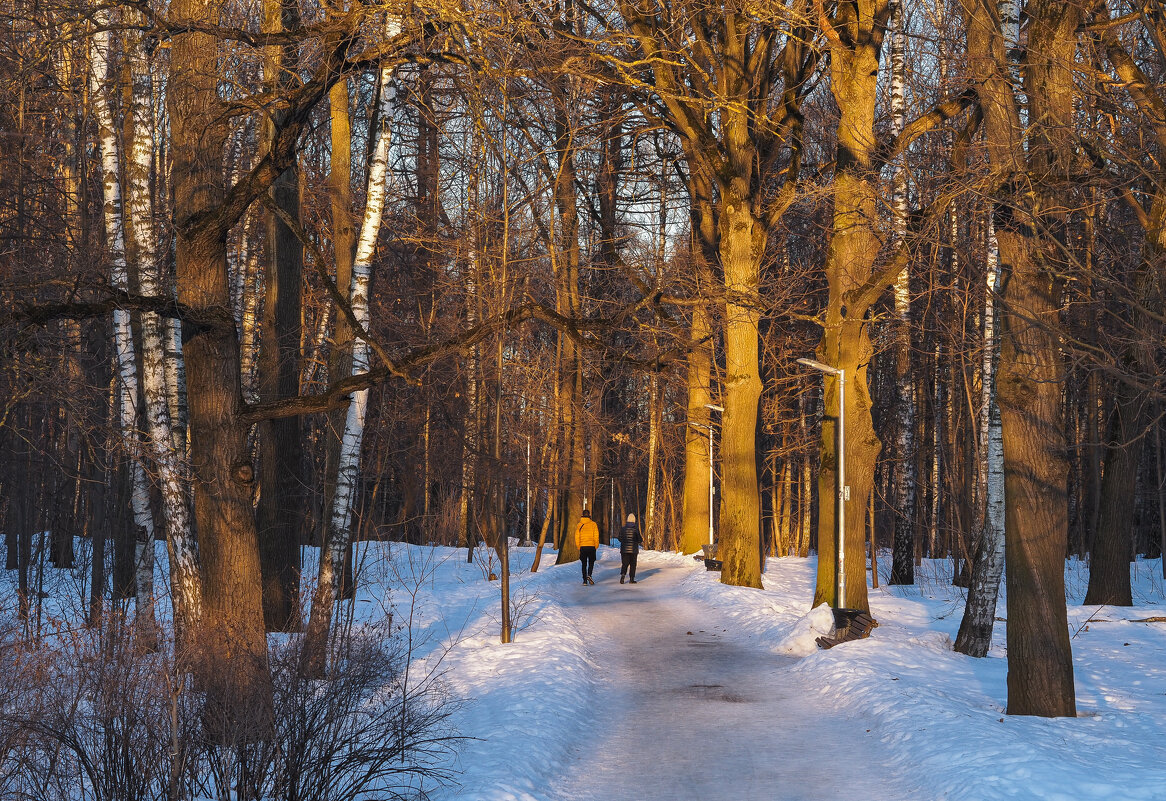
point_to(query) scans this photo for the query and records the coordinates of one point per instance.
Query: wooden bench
(849, 625)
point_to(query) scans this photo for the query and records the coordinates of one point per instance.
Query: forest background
(290, 273)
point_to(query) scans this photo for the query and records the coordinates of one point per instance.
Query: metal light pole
(843, 490)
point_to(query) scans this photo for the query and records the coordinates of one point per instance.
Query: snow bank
(940, 714)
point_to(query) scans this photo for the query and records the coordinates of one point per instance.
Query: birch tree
(339, 532)
(902, 548)
(126, 389)
(975, 633)
(184, 579)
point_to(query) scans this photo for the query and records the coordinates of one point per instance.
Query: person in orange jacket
(587, 538)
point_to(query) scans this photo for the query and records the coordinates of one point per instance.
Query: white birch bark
(186, 591)
(127, 374)
(175, 382)
(975, 634)
(331, 568)
(903, 567)
(316, 364)
(249, 320)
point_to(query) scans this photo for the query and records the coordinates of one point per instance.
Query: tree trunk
(1040, 662)
(279, 514)
(1040, 666)
(975, 634)
(742, 245)
(127, 370)
(336, 547)
(471, 427)
(172, 479)
(696, 440)
(1109, 566)
(653, 527)
(805, 486)
(569, 303)
(1160, 474)
(854, 246)
(903, 542)
(233, 661)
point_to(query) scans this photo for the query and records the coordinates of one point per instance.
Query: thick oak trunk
(854, 246)
(232, 657)
(742, 245)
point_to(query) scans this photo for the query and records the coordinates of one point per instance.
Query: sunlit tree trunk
(696, 451)
(805, 486)
(343, 247)
(742, 245)
(568, 302)
(1040, 667)
(467, 500)
(653, 528)
(855, 243)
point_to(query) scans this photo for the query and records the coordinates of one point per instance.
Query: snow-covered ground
(605, 695)
(542, 706)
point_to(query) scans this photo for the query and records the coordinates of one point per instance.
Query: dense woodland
(281, 273)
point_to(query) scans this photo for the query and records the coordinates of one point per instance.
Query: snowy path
(686, 711)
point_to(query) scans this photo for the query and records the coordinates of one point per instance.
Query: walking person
(630, 541)
(587, 538)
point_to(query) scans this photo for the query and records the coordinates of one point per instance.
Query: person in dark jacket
(630, 541)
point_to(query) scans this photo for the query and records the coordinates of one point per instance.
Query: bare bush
(94, 719)
(98, 719)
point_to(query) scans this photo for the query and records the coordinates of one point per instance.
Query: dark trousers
(587, 558)
(628, 563)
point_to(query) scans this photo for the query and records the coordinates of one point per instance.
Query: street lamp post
(842, 490)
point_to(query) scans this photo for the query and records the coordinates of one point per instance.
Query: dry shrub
(94, 718)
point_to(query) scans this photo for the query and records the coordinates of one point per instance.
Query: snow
(900, 714)
(681, 687)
